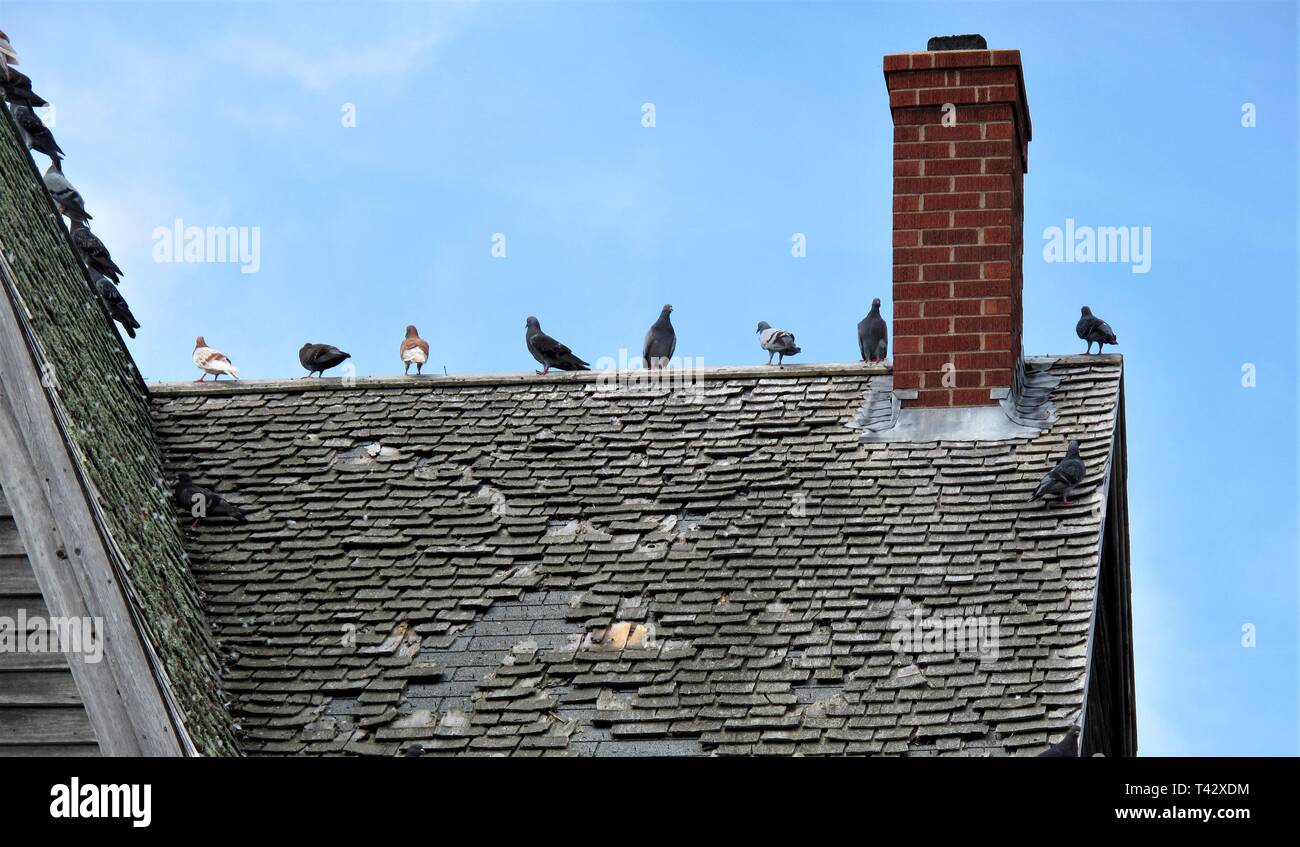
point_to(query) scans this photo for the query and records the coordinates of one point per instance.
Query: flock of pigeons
(17, 91)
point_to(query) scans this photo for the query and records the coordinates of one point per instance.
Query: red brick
(944, 167)
(905, 273)
(943, 308)
(986, 76)
(998, 377)
(950, 271)
(971, 397)
(923, 150)
(955, 94)
(950, 343)
(897, 62)
(979, 253)
(991, 182)
(921, 255)
(922, 220)
(907, 133)
(991, 323)
(908, 309)
(997, 217)
(982, 288)
(994, 270)
(997, 235)
(907, 167)
(921, 326)
(997, 305)
(922, 185)
(962, 58)
(930, 399)
(907, 203)
(905, 343)
(907, 237)
(924, 361)
(957, 132)
(922, 79)
(933, 202)
(921, 290)
(999, 129)
(950, 236)
(982, 361)
(997, 200)
(907, 379)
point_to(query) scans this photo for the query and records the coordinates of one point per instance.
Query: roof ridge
(668, 378)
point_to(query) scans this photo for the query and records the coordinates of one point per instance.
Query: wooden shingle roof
(527, 565)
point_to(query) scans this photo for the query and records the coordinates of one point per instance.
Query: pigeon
(873, 335)
(1062, 479)
(414, 351)
(202, 502)
(66, 197)
(93, 252)
(318, 358)
(17, 88)
(212, 361)
(1066, 748)
(7, 56)
(415, 751)
(777, 342)
(660, 341)
(35, 134)
(117, 307)
(1094, 330)
(548, 351)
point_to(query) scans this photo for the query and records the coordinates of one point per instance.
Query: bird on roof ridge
(1066, 748)
(549, 352)
(414, 351)
(118, 309)
(777, 342)
(873, 335)
(318, 358)
(660, 340)
(67, 198)
(1094, 330)
(212, 361)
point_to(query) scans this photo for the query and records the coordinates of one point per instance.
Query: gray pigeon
(318, 358)
(1063, 478)
(1094, 330)
(36, 135)
(549, 352)
(17, 88)
(117, 307)
(777, 342)
(873, 335)
(93, 252)
(660, 341)
(66, 197)
(200, 502)
(1066, 748)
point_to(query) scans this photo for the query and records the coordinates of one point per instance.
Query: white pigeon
(777, 342)
(212, 361)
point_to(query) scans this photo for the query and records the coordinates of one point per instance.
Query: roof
(515, 564)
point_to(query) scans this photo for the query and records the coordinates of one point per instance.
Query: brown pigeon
(414, 351)
(212, 361)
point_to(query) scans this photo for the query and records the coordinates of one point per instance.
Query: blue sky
(771, 119)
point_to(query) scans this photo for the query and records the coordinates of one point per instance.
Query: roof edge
(670, 377)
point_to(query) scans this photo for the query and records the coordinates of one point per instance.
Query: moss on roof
(104, 403)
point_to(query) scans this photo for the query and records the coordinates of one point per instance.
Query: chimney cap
(974, 41)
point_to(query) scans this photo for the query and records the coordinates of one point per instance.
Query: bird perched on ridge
(549, 352)
(35, 134)
(212, 361)
(1066, 748)
(1094, 330)
(873, 335)
(17, 88)
(660, 340)
(777, 342)
(200, 502)
(318, 358)
(8, 56)
(93, 252)
(414, 351)
(117, 306)
(1062, 479)
(66, 197)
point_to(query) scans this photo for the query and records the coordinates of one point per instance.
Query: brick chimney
(961, 143)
